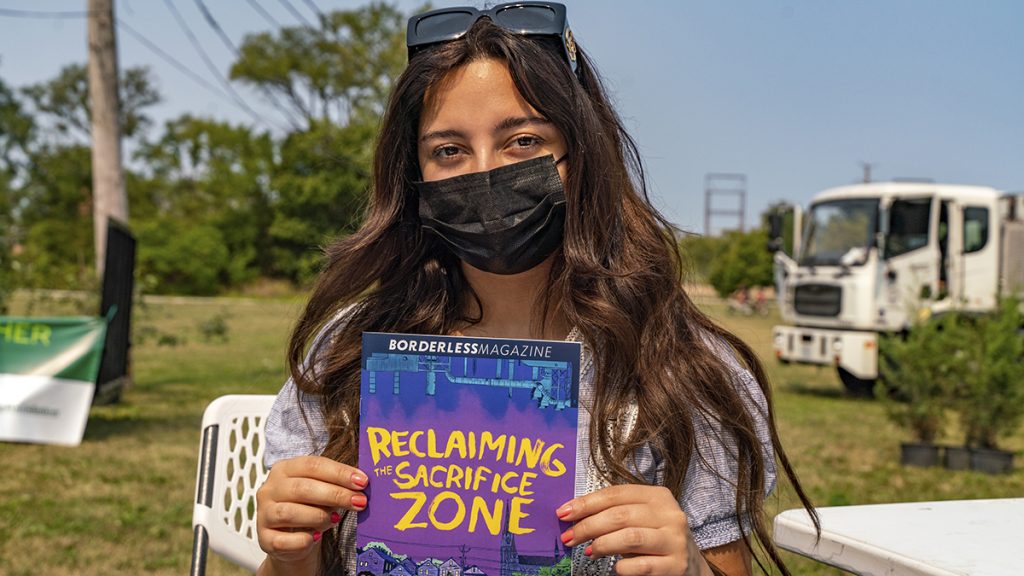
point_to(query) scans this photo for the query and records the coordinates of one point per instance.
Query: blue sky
(794, 94)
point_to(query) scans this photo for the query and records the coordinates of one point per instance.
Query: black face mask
(504, 221)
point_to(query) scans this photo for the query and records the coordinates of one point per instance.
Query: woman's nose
(486, 161)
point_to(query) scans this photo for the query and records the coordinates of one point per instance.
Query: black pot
(991, 461)
(958, 458)
(920, 454)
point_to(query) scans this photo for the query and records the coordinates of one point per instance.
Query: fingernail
(567, 536)
(359, 480)
(589, 550)
(564, 510)
(359, 500)
(316, 536)
(335, 517)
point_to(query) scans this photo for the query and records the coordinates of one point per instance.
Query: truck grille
(818, 300)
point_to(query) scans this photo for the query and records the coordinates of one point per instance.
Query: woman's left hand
(642, 523)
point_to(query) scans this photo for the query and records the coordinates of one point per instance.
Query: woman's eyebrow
(442, 134)
(519, 121)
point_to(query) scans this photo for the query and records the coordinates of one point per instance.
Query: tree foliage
(731, 261)
(213, 205)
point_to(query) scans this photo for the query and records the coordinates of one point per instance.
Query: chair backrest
(230, 471)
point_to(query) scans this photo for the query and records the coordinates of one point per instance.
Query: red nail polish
(589, 550)
(567, 536)
(316, 536)
(335, 517)
(564, 510)
(359, 480)
(358, 500)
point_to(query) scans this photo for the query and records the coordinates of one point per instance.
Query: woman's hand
(642, 523)
(300, 499)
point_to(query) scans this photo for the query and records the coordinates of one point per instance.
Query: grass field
(121, 502)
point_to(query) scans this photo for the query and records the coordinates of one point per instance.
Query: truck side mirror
(774, 232)
(774, 226)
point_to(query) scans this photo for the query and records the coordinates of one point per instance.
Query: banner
(48, 370)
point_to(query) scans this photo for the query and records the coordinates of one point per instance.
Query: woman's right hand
(300, 499)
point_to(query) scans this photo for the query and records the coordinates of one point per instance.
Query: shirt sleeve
(709, 491)
(296, 425)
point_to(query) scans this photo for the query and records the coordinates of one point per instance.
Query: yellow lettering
(548, 460)
(432, 444)
(492, 520)
(437, 483)
(379, 438)
(21, 334)
(504, 482)
(398, 444)
(418, 500)
(481, 474)
(489, 442)
(515, 514)
(407, 480)
(460, 511)
(525, 482)
(531, 450)
(41, 333)
(456, 442)
(455, 475)
(412, 444)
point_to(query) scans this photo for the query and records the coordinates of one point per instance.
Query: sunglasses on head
(526, 18)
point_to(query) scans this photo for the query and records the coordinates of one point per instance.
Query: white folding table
(951, 538)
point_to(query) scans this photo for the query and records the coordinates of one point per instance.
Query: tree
(340, 72)
(65, 99)
(16, 132)
(744, 262)
(320, 194)
(210, 174)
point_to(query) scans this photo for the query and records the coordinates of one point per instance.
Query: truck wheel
(864, 388)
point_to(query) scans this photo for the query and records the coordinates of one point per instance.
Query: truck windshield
(840, 232)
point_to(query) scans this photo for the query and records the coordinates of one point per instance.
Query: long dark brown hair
(617, 278)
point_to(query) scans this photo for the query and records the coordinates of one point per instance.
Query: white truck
(871, 258)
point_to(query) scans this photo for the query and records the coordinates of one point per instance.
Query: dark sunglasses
(526, 18)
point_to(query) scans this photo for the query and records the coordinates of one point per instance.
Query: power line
(234, 49)
(209, 63)
(298, 15)
(43, 14)
(262, 12)
(174, 62)
(312, 6)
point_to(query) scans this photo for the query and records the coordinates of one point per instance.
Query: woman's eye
(526, 141)
(446, 151)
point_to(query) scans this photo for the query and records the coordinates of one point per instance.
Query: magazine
(470, 445)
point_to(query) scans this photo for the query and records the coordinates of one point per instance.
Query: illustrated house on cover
(474, 571)
(450, 568)
(403, 569)
(374, 562)
(427, 568)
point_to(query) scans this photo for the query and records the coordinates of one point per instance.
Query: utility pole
(866, 168)
(721, 184)
(109, 198)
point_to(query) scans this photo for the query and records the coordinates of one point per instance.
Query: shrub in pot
(920, 372)
(990, 398)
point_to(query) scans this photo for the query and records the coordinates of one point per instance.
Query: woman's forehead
(481, 90)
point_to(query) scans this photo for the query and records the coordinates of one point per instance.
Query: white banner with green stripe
(48, 369)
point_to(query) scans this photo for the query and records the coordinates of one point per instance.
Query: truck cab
(873, 258)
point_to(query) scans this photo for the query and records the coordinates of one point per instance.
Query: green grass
(121, 503)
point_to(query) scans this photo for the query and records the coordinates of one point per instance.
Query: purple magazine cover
(470, 445)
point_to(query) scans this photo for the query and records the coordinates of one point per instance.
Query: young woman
(508, 201)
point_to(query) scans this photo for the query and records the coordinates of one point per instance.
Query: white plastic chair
(229, 473)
